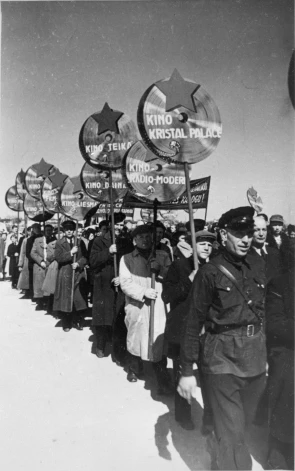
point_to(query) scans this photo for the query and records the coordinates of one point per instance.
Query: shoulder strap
(231, 277)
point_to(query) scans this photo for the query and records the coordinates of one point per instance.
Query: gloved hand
(155, 267)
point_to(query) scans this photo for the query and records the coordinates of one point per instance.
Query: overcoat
(62, 295)
(102, 266)
(135, 279)
(39, 254)
(51, 271)
(2, 250)
(23, 281)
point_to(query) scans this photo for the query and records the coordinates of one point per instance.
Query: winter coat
(2, 250)
(39, 255)
(102, 266)
(13, 255)
(63, 290)
(51, 271)
(23, 281)
(135, 279)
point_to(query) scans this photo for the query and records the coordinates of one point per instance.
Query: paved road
(63, 409)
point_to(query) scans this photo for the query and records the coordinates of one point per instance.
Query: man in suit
(259, 249)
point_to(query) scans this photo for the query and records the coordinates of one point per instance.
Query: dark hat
(68, 225)
(198, 223)
(277, 218)
(48, 225)
(237, 218)
(118, 217)
(143, 229)
(205, 235)
(35, 226)
(291, 228)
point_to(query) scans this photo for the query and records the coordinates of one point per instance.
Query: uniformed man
(227, 297)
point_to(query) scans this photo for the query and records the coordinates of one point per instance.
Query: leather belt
(247, 330)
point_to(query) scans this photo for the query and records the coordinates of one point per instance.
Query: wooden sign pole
(153, 285)
(26, 225)
(58, 224)
(113, 223)
(191, 215)
(74, 261)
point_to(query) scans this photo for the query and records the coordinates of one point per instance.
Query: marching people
(135, 281)
(108, 298)
(36, 232)
(13, 254)
(176, 287)
(260, 250)
(70, 296)
(51, 271)
(23, 266)
(39, 255)
(2, 252)
(276, 237)
(227, 298)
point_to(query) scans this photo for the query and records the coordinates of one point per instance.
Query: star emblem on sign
(42, 168)
(77, 184)
(178, 91)
(57, 179)
(107, 119)
(21, 176)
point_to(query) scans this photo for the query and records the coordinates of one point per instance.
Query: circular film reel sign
(35, 176)
(74, 203)
(34, 209)
(95, 182)
(13, 200)
(179, 120)
(20, 184)
(105, 138)
(150, 177)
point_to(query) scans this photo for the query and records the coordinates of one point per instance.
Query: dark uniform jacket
(217, 303)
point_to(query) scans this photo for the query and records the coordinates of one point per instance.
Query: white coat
(135, 279)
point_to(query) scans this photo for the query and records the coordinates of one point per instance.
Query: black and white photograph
(147, 235)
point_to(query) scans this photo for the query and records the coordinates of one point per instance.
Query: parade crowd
(227, 326)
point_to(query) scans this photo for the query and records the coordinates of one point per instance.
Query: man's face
(104, 230)
(118, 227)
(292, 235)
(204, 249)
(260, 231)
(173, 228)
(14, 230)
(237, 242)
(13, 239)
(69, 233)
(276, 228)
(144, 241)
(79, 232)
(159, 234)
(4, 236)
(48, 231)
(36, 230)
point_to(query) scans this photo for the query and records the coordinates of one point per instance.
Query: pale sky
(61, 61)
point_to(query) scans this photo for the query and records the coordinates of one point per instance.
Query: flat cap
(143, 229)
(277, 218)
(68, 225)
(205, 235)
(237, 218)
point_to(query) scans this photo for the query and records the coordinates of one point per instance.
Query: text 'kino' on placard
(176, 132)
(80, 204)
(105, 185)
(108, 147)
